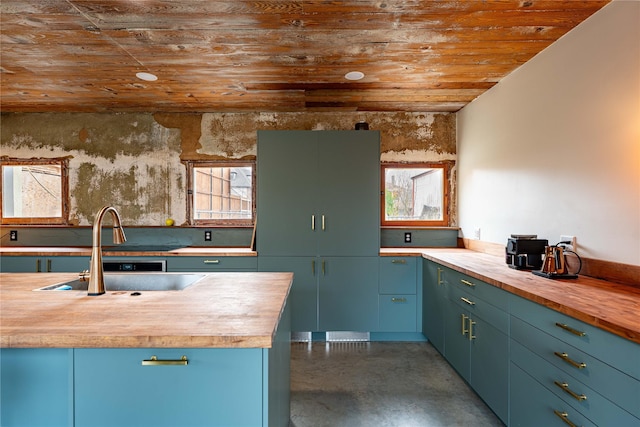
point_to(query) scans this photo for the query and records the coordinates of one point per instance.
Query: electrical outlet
(13, 235)
(572, 245)
(476, 233)
(407, 237)
(207, 235)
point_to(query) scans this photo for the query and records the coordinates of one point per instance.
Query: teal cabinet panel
(531, 404)
(287, 179)
(212, 263)
(30, 264)
(398, 275)
(348, 294)
(477, 307)
(456, 330)
(611, 349)
(303, 296)
(574, 393)
(397, 313)
(434, 301)
(36, 387)
(494, 296)
(594, 373)
(218, 387)
(318, 193)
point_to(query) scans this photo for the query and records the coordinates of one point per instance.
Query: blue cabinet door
(36, 387)
(303, 296)
(218, 387)
(29, 264)
(433, 304)
(348, 294)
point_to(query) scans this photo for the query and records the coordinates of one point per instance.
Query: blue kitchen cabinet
(212, 263)
(318, 215)
(36, 387)
(434, 301)
(54, 264)
(218, 387)
(397, 294)
(476, 337)
(587, 372)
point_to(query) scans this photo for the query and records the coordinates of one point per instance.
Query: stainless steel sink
(133, 282)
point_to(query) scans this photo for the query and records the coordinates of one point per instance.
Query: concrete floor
(380, 384)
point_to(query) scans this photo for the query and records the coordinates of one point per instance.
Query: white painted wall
(554, 148)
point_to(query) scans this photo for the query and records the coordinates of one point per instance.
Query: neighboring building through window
(415, 194)
(34, 191)
(221, 193)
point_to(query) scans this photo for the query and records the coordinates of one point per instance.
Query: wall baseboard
(626, 274)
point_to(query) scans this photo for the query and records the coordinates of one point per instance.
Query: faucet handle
(83, 275)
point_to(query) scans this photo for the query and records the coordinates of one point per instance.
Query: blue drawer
(212, 263)
(489, 293)
(397, 313)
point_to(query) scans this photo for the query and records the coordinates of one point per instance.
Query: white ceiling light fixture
(147, 77)
(354, 75)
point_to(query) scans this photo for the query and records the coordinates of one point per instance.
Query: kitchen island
(117, 359)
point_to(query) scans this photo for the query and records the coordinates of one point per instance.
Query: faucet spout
(96, 274)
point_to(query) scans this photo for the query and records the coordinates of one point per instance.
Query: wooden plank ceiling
(269, 55)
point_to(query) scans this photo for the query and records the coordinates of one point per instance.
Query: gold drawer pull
(212, 261)
(468, 283)
(564, 417)
(566, 358)
(467, 300)
(573, 394)
(439, 276)
(570, 329)
(155, 362)
(398, 300)
(399, 261)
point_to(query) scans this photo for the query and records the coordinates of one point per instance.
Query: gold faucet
(96, 274)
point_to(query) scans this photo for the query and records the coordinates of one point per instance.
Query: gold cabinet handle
(48, 266)
(323, 227)
(211, 261)
(468, 283)
(313, 222)
(398, 300)
(439, 276)
(565, 387)
(570, 329)
(463, 320)
(471, 336)
(398, 261)
(566, 358)
(467, 300)
(38, 266)
(324, 270)
(155, 362)
(313, 267)
(564, 417)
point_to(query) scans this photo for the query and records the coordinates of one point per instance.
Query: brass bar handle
(398, 300)
(323, 227)
(564, 417)
(38, 266)
(570, 329)
(211, 261)
(468, 283)
(155, 362)
(313, 223)
(398, 261)
(48, 266)
(471, 336)
(439, 276)
(467, 300)
(324, 270)
(566, 358)
(463, 319)
(565, 387)
(313, 267)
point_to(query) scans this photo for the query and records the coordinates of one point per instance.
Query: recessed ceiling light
(147, 76)
(354, 75)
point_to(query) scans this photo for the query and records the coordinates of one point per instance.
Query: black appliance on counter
(525, 252)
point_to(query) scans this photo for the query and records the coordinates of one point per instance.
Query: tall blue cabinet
(318, 195)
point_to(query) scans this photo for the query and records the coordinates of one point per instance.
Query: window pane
(222, 193)
(32, 191)
(414, 194)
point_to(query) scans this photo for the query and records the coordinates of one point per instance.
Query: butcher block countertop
(230, 310)
(113, 250)
(607, 305)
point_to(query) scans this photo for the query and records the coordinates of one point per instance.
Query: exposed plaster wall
(134, 161)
